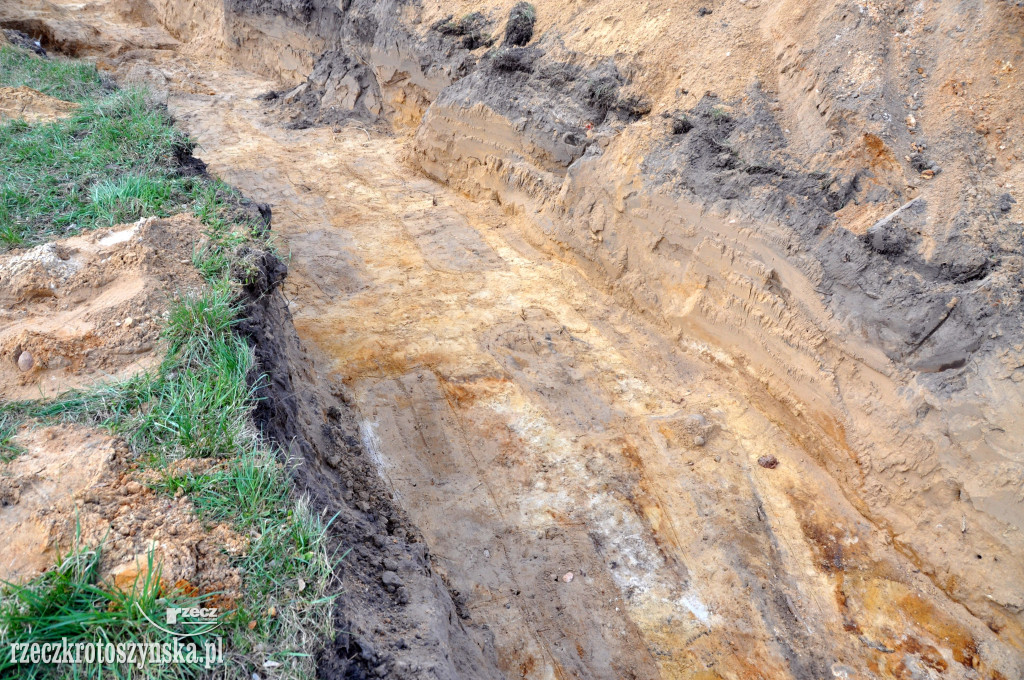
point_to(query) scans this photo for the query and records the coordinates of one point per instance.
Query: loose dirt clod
(770, 462)
(519, 29)
(75, 483)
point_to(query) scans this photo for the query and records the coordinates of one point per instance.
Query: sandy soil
(77, 483)
(24, 103)
(546, 442)
(602, 500)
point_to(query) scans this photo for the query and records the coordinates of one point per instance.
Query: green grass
(196, 406)
(66, 79)
(200, 405)
(111, 162)
(71, 603)
(8, 428)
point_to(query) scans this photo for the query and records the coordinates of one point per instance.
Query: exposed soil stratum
(686, 340)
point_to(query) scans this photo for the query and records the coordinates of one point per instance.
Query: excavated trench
(589, 429)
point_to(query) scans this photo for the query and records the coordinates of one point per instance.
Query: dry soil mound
(24, 103)
(85, 309)
(76, 478)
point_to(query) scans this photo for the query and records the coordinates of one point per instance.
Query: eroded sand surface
(546, 442)
(603, 502)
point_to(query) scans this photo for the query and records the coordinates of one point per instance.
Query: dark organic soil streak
(403, 625)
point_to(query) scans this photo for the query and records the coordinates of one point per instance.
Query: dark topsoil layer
(394, 617)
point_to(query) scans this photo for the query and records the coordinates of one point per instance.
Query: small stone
(391, 579)
(911, 121)
(699, 441)
(128, 322)
(567, 577)
(696, 420)
(928, 174)
(769, 461)
(26, 362)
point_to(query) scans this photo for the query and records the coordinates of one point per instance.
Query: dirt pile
(90, 308)
(24, 103)
(76, 485)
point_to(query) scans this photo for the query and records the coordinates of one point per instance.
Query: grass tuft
(9, 422)
(66, 79)
(70, 603)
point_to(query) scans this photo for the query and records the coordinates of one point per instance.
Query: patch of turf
(200, 405)
(114, 160)
(70, 604)
(67, 79)
(287, 565)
